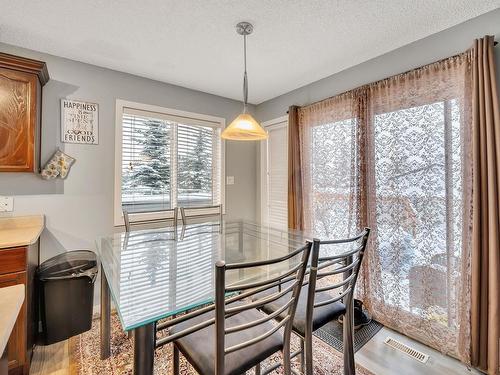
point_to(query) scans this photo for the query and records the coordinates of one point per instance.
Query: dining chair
(232, 336)
(137, 218)
(131, 219)
(197, 229)
(317, 307)
(201, 212)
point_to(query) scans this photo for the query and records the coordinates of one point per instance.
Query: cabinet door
(16, 348)
(18, 119)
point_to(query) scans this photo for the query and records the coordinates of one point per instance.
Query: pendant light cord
(245, 78)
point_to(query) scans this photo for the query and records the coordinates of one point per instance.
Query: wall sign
(79, 122)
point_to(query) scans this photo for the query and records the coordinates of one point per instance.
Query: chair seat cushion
(199, 347)
(321, 315)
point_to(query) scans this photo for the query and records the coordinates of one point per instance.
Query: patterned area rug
(85, 356)
(332, 334)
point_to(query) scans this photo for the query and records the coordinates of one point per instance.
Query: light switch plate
(6, 204)
(230, 180)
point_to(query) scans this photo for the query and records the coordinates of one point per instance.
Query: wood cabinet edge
(25, 64)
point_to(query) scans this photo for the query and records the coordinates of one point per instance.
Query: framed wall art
(79, 122)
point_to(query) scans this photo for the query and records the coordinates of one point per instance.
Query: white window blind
(277, 177)
(197, 166)
(169, 161)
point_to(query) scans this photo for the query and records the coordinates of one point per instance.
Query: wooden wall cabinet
(18, 266)
(21, 82)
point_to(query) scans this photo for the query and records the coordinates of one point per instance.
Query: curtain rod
(495, 43)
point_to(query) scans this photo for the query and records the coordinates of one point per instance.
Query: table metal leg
(105, 323)
(175, 360)
(144, 349)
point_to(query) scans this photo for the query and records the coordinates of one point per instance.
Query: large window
(331, 167)
(418, 207)
(334, 179)
(166, 159)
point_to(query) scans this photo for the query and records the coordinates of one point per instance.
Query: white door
(274, 159)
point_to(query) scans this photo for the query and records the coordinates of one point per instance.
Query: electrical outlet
(6, 204)
(230, 180)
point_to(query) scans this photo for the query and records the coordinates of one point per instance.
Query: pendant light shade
(244, 127)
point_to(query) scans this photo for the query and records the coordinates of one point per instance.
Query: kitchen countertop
(20, 230)
(12, 298)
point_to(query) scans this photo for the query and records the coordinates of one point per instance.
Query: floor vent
(415, 354)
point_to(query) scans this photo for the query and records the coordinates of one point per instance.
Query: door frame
(268, 125)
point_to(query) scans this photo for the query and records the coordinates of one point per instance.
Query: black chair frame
(227, 295)
(348, 264)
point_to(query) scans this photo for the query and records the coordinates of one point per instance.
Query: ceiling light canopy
(244, 127)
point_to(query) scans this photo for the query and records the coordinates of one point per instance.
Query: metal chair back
(197, 229)
(201, 212)
(348, 264)
(137, 218)
(225, 307)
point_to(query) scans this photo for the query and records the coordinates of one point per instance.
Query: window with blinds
(169, 161)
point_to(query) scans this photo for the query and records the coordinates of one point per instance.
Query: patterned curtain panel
(395, 156)
(330, 136)
(419, 194)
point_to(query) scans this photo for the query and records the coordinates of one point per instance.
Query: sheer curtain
(330, 139)
(419, 194)
(395, 156)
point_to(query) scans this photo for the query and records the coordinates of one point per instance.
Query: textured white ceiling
(192, 43)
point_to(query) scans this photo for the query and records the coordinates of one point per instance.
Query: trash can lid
(69, 264)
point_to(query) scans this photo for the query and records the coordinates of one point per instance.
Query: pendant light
(244, 127)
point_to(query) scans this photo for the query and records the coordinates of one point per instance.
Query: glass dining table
(150, 275)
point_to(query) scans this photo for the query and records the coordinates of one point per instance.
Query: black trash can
(66, 284)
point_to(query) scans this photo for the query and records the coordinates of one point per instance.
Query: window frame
(216, 122)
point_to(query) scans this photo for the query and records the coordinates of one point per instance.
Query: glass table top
(156, 273)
